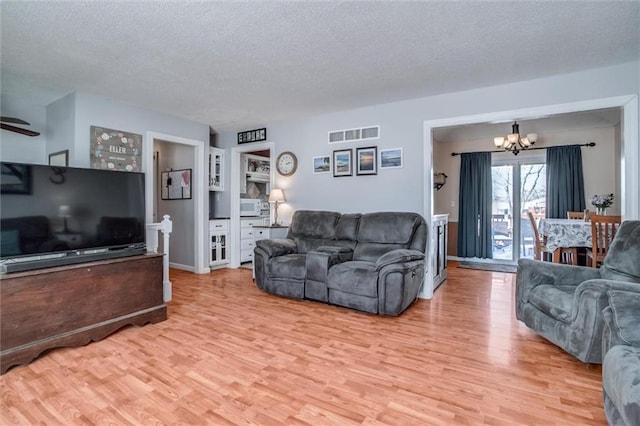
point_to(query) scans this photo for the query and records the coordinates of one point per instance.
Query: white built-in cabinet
(247, 241)
(254, 168)
(219, 242)
(216, 169)
(439, 225)
(248, 234)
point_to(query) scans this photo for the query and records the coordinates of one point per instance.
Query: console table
(76, 304)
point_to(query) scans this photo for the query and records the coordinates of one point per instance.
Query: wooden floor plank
(231, 354)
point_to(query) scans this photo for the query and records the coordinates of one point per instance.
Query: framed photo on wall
(391, 158)
(176, 185)
(322, 164)
(367, 161)
(342, 162)
(116, 150)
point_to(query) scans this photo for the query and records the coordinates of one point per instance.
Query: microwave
(250, 207)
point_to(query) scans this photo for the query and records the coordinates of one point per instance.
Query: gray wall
(402, 126)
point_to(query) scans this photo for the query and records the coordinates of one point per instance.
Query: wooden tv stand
(76, 304)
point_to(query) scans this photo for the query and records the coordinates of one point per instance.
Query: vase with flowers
(601, 202)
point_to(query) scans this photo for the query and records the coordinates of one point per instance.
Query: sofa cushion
(625, 307)
(554, 301)
(382, 232)
(388, 227)
(288, 266)
(355, 277)
(621, 262)
(347, 228)
(314, 224)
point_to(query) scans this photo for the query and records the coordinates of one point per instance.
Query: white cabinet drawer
(247, 233)
(248, 223)
(261, 234)
(219, 225)
(246, 255)
(247, 244)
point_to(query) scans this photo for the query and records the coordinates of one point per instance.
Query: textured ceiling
(236, 65)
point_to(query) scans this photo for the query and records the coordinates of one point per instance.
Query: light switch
(453, 204)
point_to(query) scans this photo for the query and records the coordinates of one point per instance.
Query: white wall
(601, 163)
(17, 147)
(402, 126)
(61, 116)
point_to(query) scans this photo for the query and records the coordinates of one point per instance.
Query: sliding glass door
(519, 186)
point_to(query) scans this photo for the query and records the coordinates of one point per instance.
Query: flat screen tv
(51, 216)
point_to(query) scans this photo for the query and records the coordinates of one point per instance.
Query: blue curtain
(565, 181)
(474, 206)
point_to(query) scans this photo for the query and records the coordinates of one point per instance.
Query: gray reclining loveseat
(372, 262)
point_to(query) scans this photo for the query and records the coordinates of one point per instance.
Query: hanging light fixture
(514, 142)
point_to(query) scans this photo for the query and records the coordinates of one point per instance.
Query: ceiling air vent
(350, 135)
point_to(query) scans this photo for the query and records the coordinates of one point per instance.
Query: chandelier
(514, 142)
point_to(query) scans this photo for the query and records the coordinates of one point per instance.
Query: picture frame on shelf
(391, 158)
(342, 162)
(367, 161)
(59, 159)
(321, 164)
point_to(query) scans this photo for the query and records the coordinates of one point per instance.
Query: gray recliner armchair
(621, 365)
(564, 303)
(373, 262)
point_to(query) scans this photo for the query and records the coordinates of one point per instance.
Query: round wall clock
(287, 163)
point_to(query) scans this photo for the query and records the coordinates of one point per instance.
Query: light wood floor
(231, 354)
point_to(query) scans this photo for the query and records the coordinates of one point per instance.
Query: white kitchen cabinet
(219, 241)
(216, 169)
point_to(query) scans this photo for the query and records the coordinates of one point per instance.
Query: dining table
(561, 233)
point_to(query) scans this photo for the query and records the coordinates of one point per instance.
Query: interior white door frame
(629, 171)
(199, 192)
(236, 167)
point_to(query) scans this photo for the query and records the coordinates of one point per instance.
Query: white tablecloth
(565, 233)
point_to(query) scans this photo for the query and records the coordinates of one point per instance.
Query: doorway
(187, 242)
(236, 167)
(630, 155)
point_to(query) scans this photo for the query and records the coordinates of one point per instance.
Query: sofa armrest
(398, 256)
(343, 251)
(532, 273)
(535, 272)
(319, 262)
(624, 318)
(276, 247)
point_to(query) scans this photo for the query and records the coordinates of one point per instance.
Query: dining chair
(603, 229)
(578, 215)
(568, 255)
